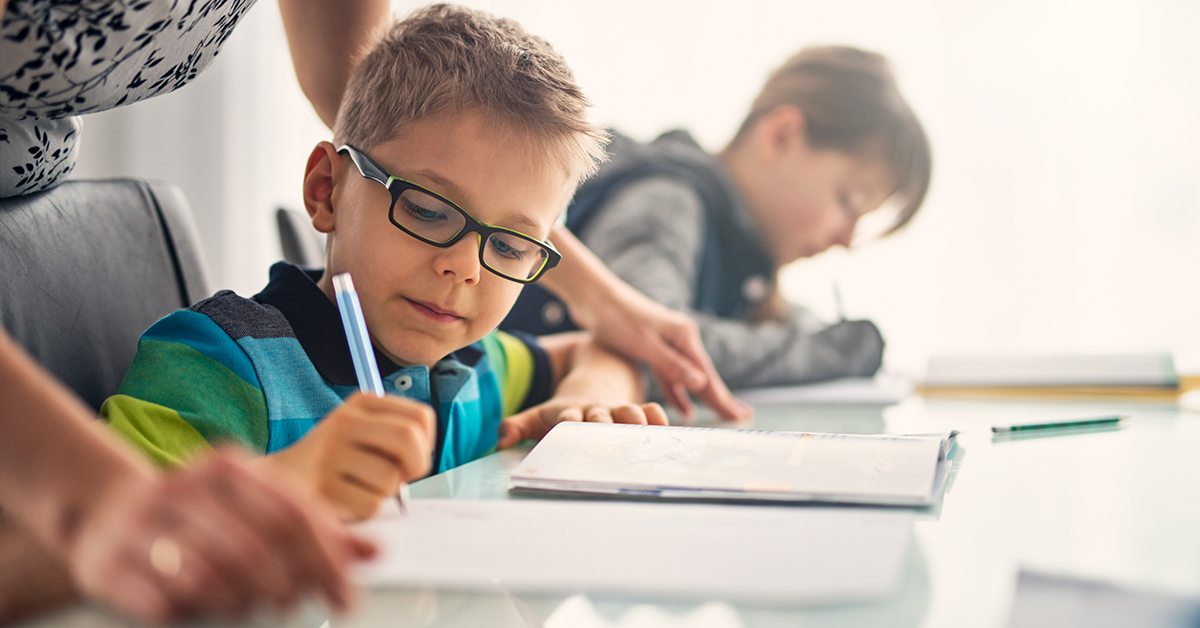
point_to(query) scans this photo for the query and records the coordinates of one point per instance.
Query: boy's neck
(738, 163)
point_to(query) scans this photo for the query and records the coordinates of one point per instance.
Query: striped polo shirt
(263, 371)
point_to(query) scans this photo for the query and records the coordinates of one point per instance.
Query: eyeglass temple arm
(366, 165)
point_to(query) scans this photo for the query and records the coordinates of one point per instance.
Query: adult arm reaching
(637, 327)
(326, 40)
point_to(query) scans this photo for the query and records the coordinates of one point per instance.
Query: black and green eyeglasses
(434, 220)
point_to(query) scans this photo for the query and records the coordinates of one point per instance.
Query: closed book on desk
(1147, 376)
(709, 464)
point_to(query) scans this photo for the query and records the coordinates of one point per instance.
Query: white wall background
(1065, 209)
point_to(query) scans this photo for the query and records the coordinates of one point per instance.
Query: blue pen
(361, 352)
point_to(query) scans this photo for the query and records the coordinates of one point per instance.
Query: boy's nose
(843, 233)
(460, 261)
(844, 236)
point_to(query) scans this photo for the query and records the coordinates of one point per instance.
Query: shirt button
(756, 289)
(403, 382)
(553, 314)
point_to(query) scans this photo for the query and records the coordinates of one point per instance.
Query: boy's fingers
(355, 501)
(406, 442)
(396, 406)
(655, 415)
(375, 473)
(598, 414)
(515, 428)
(571, 413)
(629, 413)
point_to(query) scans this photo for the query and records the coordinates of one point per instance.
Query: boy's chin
(419, 353)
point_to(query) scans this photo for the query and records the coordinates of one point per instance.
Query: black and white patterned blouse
(62, 58)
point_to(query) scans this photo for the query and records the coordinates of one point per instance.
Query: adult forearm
(326, 40)
(55, 462)
(581, 280)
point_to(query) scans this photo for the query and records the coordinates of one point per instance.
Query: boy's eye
(848, 206)
(509, 247)
(421, 213)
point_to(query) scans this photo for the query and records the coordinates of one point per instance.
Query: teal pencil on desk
(1100, 420)
(361, 352)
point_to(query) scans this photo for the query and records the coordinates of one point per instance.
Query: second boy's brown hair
(851, 104)
(443, 60)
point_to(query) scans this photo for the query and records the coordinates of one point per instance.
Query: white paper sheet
(699, 463)
(686, 552)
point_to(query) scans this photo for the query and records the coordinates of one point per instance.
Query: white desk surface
(1121, 505)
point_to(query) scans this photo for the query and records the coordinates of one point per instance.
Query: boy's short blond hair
(444, 60)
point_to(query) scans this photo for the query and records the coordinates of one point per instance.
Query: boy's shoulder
(239, 316)
(673, 156)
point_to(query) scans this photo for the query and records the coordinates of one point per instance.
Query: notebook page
(852, 466)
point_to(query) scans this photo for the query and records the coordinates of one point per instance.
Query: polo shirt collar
(316, 322)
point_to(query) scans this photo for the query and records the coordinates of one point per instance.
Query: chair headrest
(86, 267)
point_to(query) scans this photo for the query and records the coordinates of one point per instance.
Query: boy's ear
(319, 184)
(782, 130)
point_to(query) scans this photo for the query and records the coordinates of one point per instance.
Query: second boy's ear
(782, 130)
(319, 186)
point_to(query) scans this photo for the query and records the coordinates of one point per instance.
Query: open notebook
(702, 464)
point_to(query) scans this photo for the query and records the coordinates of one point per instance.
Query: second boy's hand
(359, 339)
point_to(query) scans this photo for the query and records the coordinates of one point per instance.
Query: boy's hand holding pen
(362, 453)
(367, 449)
(365, 367)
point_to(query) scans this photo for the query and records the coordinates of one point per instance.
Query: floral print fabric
(62, 58)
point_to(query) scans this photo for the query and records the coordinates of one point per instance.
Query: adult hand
(215, 537)
(358, 455)
(642, 329)
(636, 326)
(535, 422)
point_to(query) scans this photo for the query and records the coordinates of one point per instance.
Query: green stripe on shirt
(513, 364)
(185, 394)
(156, 430)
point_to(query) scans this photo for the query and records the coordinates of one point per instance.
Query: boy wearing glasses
(460, 139)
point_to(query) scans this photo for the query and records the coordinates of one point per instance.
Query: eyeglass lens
(432, 219)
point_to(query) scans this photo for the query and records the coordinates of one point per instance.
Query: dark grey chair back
(86, 267)
(301, 243)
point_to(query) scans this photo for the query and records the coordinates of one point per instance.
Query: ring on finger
(165, 557)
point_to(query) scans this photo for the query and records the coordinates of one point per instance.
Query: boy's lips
(433, 311)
